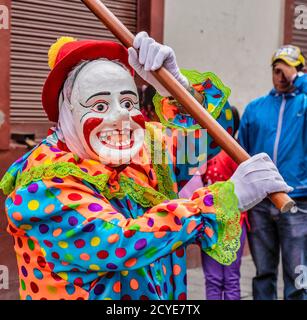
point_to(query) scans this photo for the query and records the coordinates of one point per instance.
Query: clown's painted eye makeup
(127, 104)
(100, 107)
(129, 100)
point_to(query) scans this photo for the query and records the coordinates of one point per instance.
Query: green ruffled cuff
(215, 95)
(228, 219)
(7, 183)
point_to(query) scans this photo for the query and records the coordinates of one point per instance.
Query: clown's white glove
(255, 179)
(153, 55)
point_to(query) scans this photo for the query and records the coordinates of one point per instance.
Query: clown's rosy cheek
(139, 119)
(89, 125)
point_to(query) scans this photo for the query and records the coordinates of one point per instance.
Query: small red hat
(65, 54)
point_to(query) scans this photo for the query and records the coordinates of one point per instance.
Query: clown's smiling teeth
(119, 139)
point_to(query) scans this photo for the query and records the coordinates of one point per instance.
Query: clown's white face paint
(105, 109)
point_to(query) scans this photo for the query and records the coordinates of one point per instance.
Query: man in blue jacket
(277, 124)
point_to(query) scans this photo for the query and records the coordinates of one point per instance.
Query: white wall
(233, 38)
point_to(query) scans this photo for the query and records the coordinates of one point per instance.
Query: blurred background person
(147, 106)
(277, 124)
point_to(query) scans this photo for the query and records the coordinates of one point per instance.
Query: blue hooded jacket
(277, 124)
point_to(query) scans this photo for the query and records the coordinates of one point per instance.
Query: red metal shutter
(299, 36)
(36, 24)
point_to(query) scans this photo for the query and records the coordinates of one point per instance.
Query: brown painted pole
(281, 200)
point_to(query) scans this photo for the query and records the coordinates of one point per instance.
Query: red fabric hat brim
(89, 51)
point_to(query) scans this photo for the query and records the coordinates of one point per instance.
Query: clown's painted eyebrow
(103, 93)
(128, 92)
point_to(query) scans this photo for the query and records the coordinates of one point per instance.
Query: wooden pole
(281, 200)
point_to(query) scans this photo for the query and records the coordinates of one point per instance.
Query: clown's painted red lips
(117, 139)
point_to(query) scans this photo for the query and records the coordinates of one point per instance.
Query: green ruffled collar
(144, 195)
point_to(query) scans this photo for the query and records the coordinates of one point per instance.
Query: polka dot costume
(72, 241)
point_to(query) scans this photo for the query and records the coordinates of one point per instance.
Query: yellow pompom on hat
(64, 55)
(55, 48)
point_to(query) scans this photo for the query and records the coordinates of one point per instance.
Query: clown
(92, 214)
